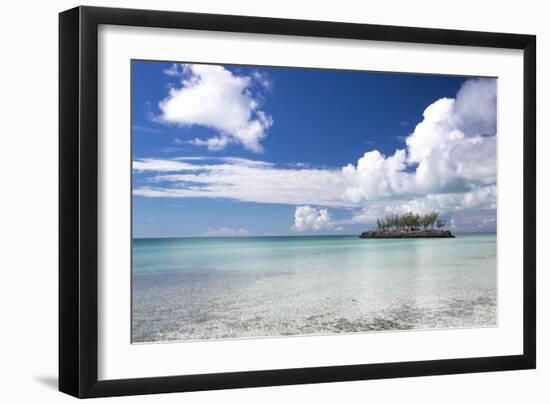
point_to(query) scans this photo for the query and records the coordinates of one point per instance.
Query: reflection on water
(273, 286)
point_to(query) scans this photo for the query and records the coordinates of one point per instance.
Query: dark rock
(407, 234)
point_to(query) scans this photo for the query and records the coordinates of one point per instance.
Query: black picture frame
(78, 201)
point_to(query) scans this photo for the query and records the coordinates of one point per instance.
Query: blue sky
(234, 150)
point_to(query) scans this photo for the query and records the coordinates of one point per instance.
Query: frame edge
(529, 201)
(69, 79)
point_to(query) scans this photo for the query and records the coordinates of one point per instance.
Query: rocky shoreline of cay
(406, 234)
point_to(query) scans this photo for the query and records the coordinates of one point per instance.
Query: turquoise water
(204, 288)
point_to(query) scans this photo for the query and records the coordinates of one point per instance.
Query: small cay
(407, 234)
(409, 225)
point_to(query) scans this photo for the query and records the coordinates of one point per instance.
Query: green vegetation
(411, 221)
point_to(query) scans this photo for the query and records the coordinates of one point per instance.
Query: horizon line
(282, 235)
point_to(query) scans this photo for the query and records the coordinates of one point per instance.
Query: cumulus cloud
(308, 218)
(481, 199)
(225, 232)
(476, 107)
(214, 97)
(448, 164)
(453, 149)
(376, 176)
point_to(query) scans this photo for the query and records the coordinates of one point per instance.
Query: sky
(227, 150)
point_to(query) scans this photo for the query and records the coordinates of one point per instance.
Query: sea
(249, 287)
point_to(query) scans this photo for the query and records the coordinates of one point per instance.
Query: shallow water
(203, 288)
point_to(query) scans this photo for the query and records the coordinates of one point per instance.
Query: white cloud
(308, 218)
(215, 143)
(162, 165)
(448, 164)
(476, 107)
(225, 232)
(240, 179)
(175, 70)
(214, 97)
(376, 176)
(263, 79)
(481, 198)
(452, 150)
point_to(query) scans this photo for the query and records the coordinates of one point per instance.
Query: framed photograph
(252, 202)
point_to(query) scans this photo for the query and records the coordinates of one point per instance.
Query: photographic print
(287, 201)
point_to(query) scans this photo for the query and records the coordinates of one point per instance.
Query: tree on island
(409, 225)
(410, 221)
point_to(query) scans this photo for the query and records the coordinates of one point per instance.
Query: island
(409, 225)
